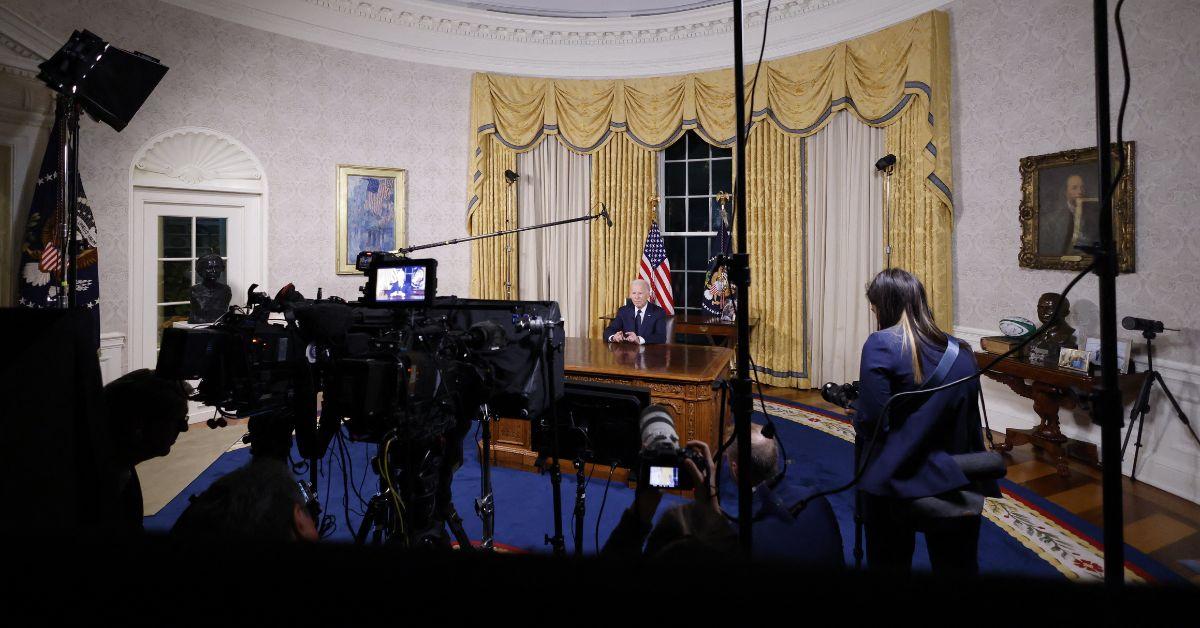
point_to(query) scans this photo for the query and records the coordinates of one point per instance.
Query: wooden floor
(1159, 524)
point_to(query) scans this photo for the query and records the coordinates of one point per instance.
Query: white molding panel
(1170, 458)
(112, 356)
(420, 31)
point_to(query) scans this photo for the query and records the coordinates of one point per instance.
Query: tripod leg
(455, 523)
(368, 521)
(1138, 411)
(1137, 446)
(580, 505)
(1178, 411)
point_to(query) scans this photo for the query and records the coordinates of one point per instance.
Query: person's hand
(631, 337)
(617, 337)
(646, 501)
(704, 480)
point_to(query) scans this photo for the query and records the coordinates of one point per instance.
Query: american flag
(656, 270)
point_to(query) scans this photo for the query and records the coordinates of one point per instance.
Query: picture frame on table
(1074, 359)
(1060, 208)
(1124, 349)
(372, 207)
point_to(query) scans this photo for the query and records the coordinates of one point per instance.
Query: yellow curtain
(898, 78)
(494, 209)
(624, 177)
(922, 220)
(775, 227)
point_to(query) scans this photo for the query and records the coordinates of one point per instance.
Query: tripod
(485, 505)
(1142, 406)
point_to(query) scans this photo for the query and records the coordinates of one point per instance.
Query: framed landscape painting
(371, 207)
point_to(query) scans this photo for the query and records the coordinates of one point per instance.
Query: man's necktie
(637, 328)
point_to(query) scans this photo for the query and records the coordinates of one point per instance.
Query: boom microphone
(604, 214)
(510, 176)
(1133, 323)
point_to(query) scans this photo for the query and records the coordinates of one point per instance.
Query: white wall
(302, 108)
(1023, 84)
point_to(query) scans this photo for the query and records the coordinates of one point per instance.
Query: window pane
(718, 151)
(678, 150)
(697, 148)
(675, 251)
(698, 177)
(168, 314)
(722, 177)
(174, 236)
(695, 289)
(678, 286)
(675, 184)
(697, 253)
(210, 236)
(174, 281)
(698, 214)
(676, 215)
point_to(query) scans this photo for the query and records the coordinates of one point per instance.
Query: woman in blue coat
(911, 482)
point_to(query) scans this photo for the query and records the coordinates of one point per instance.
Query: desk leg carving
(1047, 400)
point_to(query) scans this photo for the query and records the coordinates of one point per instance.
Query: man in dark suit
(639, 321)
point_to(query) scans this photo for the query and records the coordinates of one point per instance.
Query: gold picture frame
(372, 208)
(1059, 195)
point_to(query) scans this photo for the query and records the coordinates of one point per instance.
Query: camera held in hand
(841, 395)
(662, 456)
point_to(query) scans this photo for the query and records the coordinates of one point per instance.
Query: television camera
(400, 368)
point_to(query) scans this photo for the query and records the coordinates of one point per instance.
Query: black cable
(758, 66)
(603, 501)
(1124, 101)
(803, 503)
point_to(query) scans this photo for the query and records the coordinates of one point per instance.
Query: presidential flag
(656, 270)
(718, 291)
(42, 258)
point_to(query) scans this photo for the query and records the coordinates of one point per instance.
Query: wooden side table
(1050, 388)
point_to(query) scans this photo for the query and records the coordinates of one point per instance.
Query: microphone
(886, 163)
(510, 176)
(1133, 323)
(604, 214)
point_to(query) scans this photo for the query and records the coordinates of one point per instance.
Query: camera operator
(688, 531)
(912, 481)
(146, 413)
(257, 502)
(811, 538)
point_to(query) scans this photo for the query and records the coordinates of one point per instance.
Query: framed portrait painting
(371, 207)
(1060, 209)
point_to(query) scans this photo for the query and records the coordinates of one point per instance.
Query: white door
(177, 227)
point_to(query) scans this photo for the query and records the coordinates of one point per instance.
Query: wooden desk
(678, 376)
(1050, 388)
(705, 325)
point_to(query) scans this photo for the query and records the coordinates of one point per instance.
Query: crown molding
(433, 33)
(22, 44)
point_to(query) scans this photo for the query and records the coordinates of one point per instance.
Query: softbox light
(111, 84)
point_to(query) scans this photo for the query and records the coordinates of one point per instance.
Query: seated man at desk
(640, 321)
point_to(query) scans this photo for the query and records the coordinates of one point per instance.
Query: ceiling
(565, 38)
(585, 8)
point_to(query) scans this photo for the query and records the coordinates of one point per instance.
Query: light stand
(887, 165)
(68, 186)
(580, 503)
(1106, 410)
(557, 543)
(510, 178)
(739, 275)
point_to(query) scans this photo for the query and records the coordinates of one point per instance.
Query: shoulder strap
(943, 367)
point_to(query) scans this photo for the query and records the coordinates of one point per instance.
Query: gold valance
(874, 76)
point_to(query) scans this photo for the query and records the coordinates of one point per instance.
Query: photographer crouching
(919, 457)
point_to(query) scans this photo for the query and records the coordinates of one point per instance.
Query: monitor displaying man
(400, 284)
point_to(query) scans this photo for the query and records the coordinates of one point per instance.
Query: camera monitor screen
(400, 284)
(664, 477)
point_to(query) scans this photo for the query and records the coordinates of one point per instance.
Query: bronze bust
(1059, 334)
(209, 298)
